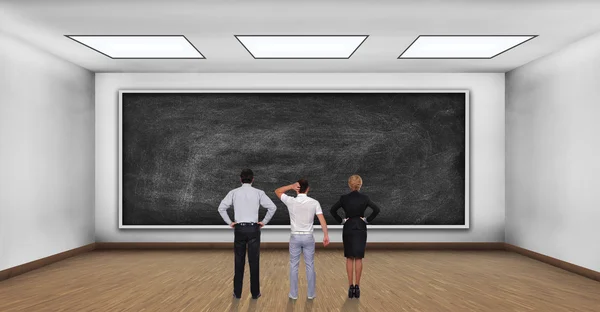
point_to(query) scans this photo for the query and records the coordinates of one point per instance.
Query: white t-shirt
(302, 211)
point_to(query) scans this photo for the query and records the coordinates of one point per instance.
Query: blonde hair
(355, 182)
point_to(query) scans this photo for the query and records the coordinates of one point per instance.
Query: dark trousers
(246, 236)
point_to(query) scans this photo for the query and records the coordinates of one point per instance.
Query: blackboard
(180, 153)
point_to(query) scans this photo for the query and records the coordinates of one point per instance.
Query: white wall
(46, 154)
(553, 155)
(487, 148)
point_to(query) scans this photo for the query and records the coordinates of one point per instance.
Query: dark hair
(247, 175)
(303, 185)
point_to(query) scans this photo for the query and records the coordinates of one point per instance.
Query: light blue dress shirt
(245, 201)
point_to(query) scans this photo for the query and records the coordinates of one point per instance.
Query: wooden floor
(201, 280)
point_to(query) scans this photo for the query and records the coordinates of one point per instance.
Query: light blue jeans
(302, 243)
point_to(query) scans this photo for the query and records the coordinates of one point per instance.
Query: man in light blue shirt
(245, 201)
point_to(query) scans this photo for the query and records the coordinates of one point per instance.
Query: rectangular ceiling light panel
(141, 47)
(301, 47)
(462, 46)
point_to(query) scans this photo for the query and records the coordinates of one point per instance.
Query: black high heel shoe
(356, 291)
(351, 292)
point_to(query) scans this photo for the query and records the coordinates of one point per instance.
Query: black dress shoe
(236, 297)
(256, 297)
(351, 292)
(356, 291)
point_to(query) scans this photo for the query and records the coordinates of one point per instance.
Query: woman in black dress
(354, 234)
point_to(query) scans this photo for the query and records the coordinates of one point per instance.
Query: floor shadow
(252, 306)
(309, 305)
(290, 305)
(351, 305)
(235, 305)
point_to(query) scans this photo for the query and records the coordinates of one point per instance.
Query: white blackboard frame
(267, 227)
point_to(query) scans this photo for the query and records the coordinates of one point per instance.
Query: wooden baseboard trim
(30, 266)
(169, 245)
(573, 268)
(437, 246)
(179, 246)
(284, 245)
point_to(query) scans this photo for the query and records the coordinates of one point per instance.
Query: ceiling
(211, 25)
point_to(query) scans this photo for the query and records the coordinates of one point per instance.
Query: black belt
(246, 223)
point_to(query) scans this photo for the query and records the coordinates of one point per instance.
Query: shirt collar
(302, 195)
(247, 184)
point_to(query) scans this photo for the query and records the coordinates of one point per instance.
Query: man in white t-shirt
(302, 216)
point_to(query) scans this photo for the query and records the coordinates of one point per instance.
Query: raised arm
(334, 209)
(226, 203)
(267, 203)
(375, 212)
(280, 191)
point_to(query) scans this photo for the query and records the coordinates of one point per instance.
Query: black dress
(354, 234)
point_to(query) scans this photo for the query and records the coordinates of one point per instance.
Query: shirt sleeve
(267, 203)
(318, 209)
(285, 199)
(334, 210)
(375, 212)
(226, 203)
